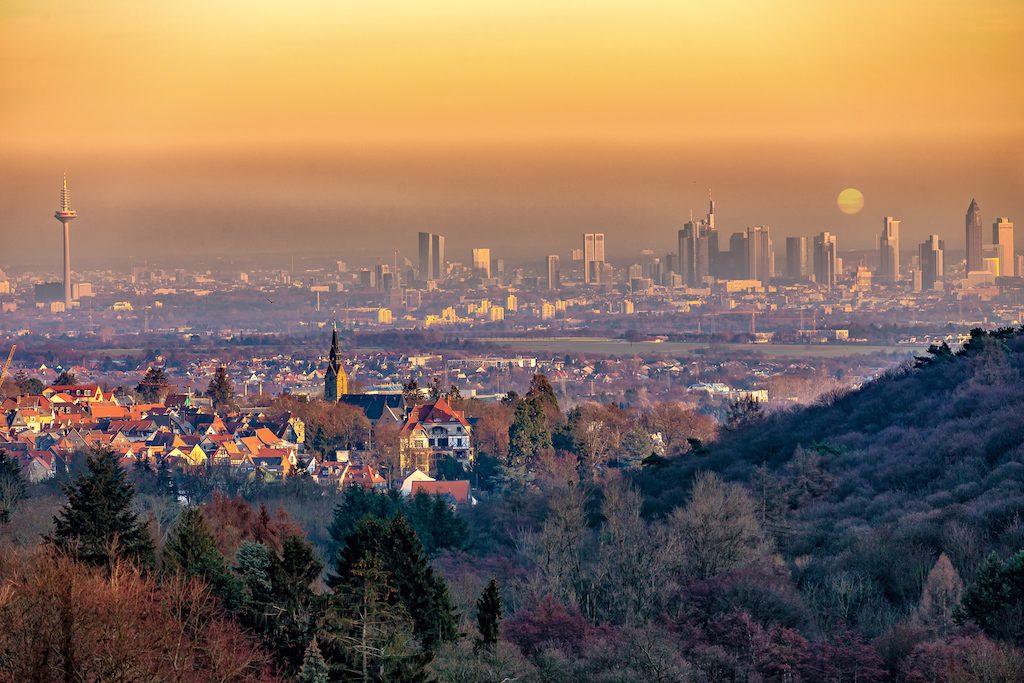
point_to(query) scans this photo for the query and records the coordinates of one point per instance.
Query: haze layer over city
(532, 341)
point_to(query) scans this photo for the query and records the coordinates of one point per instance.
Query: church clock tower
(336, 380)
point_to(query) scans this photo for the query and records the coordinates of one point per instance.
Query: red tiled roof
(459, 490)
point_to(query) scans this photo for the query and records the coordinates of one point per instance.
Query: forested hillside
(868, 488)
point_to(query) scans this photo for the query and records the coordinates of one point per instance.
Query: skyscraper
(796, 257)
(554, 276)
(1002, 237)
(426, 255)
(593, 257)
(65, 214)
(889, 250)
(482, 262)
(975, 245)
(432, 261)
(760, 253)
(825, 258)
(930, 254)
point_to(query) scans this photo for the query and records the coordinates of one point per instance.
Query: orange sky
(504, 121)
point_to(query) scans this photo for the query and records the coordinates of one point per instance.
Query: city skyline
(566, 120)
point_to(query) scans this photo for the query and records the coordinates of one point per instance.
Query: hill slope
(867, 489)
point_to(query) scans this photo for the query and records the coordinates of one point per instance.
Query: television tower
(65, 214)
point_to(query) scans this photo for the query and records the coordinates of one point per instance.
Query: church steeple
(336, 379)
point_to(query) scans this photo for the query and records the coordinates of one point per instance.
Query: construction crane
(7, 365)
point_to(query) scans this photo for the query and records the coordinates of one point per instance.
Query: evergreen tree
(356, 504)
(191, 551)
(28, 385)
(528, 434)
(298, 608)
(423, 593)
(165, 482)
(488, 615)
(367, 634)
(65, 379)
(97, 524)
(995, 599)
(221, 390)
(153, 386)
(542, 391)
(314, 666)
(12, 486)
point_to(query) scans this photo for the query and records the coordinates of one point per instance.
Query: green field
(618, 347)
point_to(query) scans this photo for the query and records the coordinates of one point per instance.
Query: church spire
(335, 379)
(335, 348)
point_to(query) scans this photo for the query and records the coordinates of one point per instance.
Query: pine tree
(367, 634)
(423, 594)
(221, 390)
(97, 524)
(165, 483)
(488, 615)
(528, 434)
(153, 386)
(314, 667)
(12, 486)
(191, 551)
(65, 379)
(995, 600)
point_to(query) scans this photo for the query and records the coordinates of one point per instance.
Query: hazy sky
(342, 128)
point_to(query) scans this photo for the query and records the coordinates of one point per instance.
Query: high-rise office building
(826, 260)
(593, 257)
(65, 214)
(554, 275)
(889, 250)
(1002, 238)
(796, 258)
(975, 244)
(426, 253)
(694, 253)
(930, 256)
(432, 261)
(760, 254)
(711, 232)
(734, 267)
(482, 262)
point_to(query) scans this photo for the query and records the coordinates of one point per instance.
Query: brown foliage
(677, 422)
(490, 433)
(67, 621)
(233, 520)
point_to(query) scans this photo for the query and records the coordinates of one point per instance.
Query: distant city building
(698, 249)
(760, 254)
(432, 259)
(482, 262)
(554, 274)
(975, 243)
(336, 379)
(889, 250)
(863, 278)
(1002, 238)
(825, 260)
(796, 258)
(593, 257)
(931, 260)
